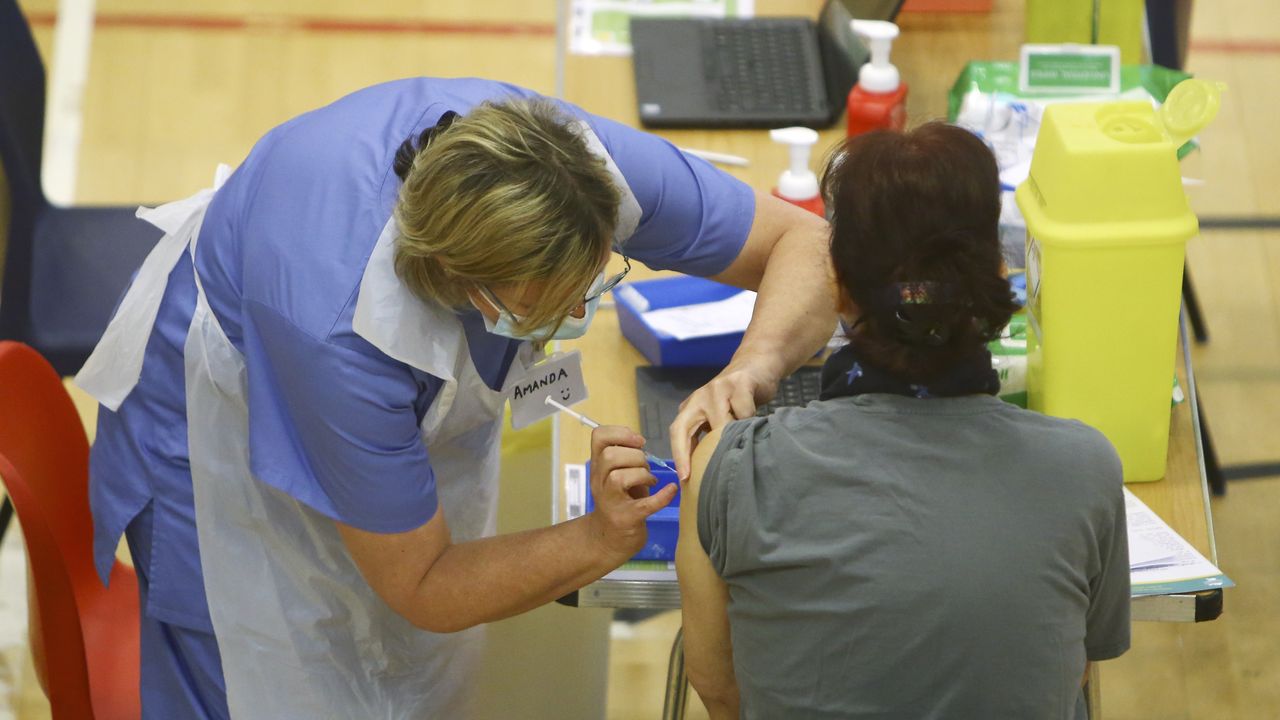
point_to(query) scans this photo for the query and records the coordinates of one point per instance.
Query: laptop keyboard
(759, 66)
(658, 408)
(796, 390)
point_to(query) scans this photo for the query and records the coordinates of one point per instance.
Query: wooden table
(604, 86)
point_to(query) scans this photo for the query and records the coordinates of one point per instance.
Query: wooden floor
(175, 87)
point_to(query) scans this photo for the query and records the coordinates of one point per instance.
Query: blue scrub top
(333, 421)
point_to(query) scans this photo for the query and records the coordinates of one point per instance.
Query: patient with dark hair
(909, 546)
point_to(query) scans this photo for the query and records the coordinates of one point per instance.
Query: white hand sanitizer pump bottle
(797, 184)
(879, 100)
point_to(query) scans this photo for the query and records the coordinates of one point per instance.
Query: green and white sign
(1070, 69)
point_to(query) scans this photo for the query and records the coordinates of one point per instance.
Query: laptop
(750, 72)
(660, 390)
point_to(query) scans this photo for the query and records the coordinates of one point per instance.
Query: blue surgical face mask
(570, 328)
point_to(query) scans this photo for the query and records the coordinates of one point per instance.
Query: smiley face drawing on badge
(564, 394)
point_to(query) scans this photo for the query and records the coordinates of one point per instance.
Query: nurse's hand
(620, 482)
(731, 395)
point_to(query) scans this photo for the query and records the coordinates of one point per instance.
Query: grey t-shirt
(893, 557)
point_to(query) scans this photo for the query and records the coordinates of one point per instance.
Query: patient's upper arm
(693, 488)
(704, 598)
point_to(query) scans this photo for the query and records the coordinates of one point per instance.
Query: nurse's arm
(704, 601)
(443, 586)
(786, 260)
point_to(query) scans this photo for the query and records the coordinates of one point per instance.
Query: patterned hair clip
(918, 293)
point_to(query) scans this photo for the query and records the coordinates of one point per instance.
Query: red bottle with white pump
(879, 100)
(797, 184)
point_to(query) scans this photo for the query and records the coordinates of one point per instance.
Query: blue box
(663, 526)
(634, 299)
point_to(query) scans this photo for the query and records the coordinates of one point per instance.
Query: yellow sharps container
(1107, 227)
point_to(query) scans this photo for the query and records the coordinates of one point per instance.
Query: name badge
(559, 377)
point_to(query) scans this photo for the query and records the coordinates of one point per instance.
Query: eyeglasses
(609, 283)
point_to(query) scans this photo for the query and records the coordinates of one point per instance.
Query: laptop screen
(842, 52)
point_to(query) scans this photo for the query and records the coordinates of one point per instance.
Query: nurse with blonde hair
(302, 390)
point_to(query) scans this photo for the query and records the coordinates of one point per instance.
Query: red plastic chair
(84, 637)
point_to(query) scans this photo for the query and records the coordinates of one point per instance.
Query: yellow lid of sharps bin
(1191, 106)
(1108, 171)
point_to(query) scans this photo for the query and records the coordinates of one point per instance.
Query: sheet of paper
(602, 27)
(723, 317)
(1145, 553)
(1182, 569)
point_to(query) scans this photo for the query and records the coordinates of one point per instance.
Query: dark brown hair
(915, 245)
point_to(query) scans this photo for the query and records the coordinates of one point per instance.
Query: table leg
(1093, 692)
(677, 697)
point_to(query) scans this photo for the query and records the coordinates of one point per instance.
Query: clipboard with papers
(1162, 562)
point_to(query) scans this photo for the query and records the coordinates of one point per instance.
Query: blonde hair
(508, 194)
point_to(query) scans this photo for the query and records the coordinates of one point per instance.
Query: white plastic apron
(301, 633)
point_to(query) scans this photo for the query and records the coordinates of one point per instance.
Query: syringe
(593, 424)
